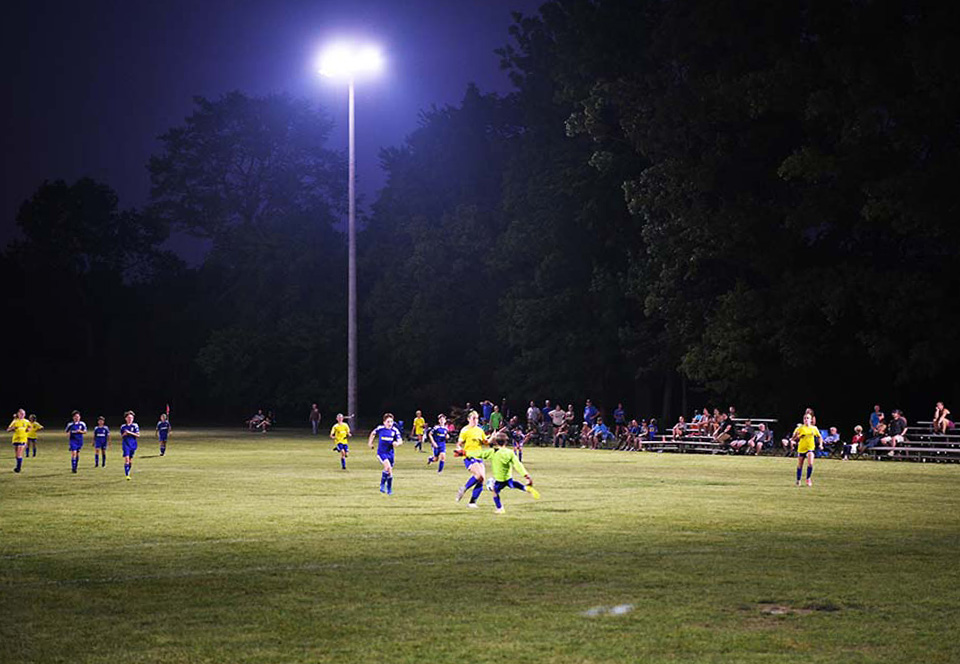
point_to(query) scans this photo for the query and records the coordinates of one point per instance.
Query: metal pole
(352, 276)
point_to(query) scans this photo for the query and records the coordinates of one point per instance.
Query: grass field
(243, 548)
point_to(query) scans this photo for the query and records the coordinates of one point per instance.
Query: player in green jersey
(503, 461)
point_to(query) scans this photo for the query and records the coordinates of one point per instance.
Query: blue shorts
(440, 448)
(76, 445)
(163, 438)
(100, 444)
(18, 444)
(343, 447)
(385, 457)
(129, 448)
(469, 461)
(513, 484)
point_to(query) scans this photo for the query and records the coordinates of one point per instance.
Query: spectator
(590, 413)
(545, 411)
(619, 421)
(696, 422)
(557, 417)
(743, 437)
(762, 438)
(941, 419)
(679, 429)
(533, 416)
(876, 417)
(314, 419)
(496, 419)
(789, 444)
(878, 434)
(830, 442)
(895, 432)
(724, 433)
(486, 407)
(600, 434)
(585, 429)
(652, 429)
(855, 444)
(634, 437)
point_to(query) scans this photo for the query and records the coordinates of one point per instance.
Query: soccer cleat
(16, 470)
(799, 483)
(128, 477)
(389, 492)
(809, 482)
(472, 505)
(460, 493)
(73, 470)
(499, 510)
(534, 493)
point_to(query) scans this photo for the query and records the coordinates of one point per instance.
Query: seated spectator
(830, 442)
(600, 434)
(878, 433)
(895, 432)
(697, 420)
(634, 440)
(679, 429)
(855, 444)
(743, 437)
(585, 430)
(259, 422)
(652, 429)
(763, 437)
(941, 419)
(789, 445)
(724, 433)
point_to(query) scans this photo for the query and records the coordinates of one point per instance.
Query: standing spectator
(545, 411)
(504, 410)
(876, 417)
(533, 416)
(619, 421)
(486, 407)
(314, 419)
(569, 416)
(590, 413)
(557, 417)
(896, 431)
(941, 419)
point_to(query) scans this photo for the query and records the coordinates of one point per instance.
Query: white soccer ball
(489, 484)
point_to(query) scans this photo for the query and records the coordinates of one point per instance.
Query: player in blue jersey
(76, 428)
(101, 436)
(387, 437)
(438, 440)
(163, 430)
(129, 432)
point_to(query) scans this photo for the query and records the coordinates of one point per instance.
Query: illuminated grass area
(238, 547)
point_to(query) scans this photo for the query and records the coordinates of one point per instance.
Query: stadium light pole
(346, 62)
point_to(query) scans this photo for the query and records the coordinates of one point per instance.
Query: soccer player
(502, 461)
(101, 436)
(387, 437)
(438, 441)
(339, 433)
(20, 426)
(35, 428)
(129, 433)
(807, 438)
(163, 430)
(419, 424)
(76, 428)
(469, 443)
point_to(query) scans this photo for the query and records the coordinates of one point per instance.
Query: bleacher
(921, 444)
(701, 443)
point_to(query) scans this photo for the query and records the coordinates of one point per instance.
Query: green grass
(244, 548)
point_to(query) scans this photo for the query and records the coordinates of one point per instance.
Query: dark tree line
(679, 204)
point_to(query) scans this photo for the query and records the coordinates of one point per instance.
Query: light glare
(346, 61)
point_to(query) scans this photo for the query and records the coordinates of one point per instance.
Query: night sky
(92, 84)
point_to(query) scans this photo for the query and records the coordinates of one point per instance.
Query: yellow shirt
(807, 438)
(340, 431)
(35, 428)
(20, 428)
(472, 438)
(418, 424)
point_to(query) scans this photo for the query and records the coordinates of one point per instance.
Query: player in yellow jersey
(340, 432)
(35, 428)
(419, 427)
(807, 437)
(20, 426)
(469, 443)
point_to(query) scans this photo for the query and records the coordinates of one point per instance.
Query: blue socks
(19, 464)
(809, 471)
(163, 450)
(73, 463)
(386, 483)
(477, 490)
(126, 469)
(343, 463)
(389, 483)
(470, 483)
(496, 500)
(799, 473)
(96, 460)
(440, 469)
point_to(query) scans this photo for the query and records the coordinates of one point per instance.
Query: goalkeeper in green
(503, 460)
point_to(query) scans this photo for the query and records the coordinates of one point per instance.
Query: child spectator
(855, 444)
